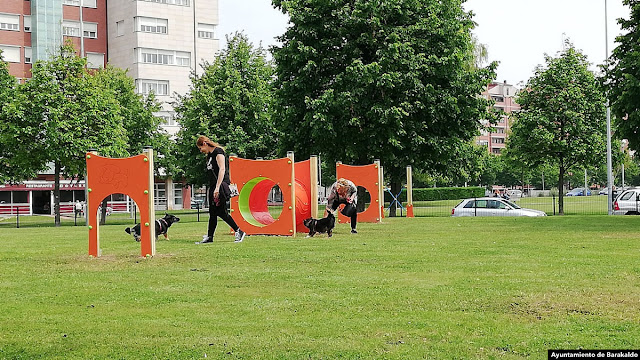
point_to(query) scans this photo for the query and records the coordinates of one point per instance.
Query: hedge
(442, 193)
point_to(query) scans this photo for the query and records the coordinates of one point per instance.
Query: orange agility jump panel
(366, 176)
(131, 176)
(255, 179)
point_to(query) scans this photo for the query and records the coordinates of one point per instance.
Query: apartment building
(494, 136)
(159, 42)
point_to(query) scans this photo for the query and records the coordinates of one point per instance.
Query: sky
(517, 33)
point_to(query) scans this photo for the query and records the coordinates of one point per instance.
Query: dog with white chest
(162, 227)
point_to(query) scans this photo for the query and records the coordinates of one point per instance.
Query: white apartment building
(161, 42)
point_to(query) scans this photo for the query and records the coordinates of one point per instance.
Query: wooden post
(292, 185)
(409, 192)
(313, 167)
(148, 151)
(381, 189)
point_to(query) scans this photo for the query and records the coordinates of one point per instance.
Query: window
(167, 118)
(158, 87)
(170, 2)
(120, 28)
(10, 22)
(95, 60)
(497, 98)
(151, 25)
(497, 140)
(627, 196)
(27, 23)
(163, 57)
(206, 31)
(177, 194)
(183, 58)
(90, 30)
(70, 28)
(27, 55)
(496, 151)
(10, 53)
(71, 2)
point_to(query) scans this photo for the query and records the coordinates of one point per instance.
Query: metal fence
(573, 205)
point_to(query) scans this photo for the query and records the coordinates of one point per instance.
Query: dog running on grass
(162, 226)
(324, 225)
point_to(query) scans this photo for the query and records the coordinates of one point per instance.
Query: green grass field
(432, 288)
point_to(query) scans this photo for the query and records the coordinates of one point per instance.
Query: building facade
(159, 42)
(494, 136)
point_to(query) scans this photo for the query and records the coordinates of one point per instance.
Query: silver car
(492, 206)
(627, 203)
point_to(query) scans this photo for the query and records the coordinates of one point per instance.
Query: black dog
(162, 226)
(321, 225)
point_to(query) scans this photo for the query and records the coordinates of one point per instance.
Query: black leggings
(221, 211)
(354, 217)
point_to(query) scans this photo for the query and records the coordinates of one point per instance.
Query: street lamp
(609, 164)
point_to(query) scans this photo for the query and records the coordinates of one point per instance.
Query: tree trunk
(561, 191)
(56, 194)
(396, 186)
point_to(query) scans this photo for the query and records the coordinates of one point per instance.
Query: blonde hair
(202, 140)
(342, 186)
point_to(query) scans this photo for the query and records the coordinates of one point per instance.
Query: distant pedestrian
(78, 208)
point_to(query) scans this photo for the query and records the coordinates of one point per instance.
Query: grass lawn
(433, 288)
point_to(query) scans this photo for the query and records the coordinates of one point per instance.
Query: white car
(627, 203)
(492, 206)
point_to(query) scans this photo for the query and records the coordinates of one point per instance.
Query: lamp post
(609, 163)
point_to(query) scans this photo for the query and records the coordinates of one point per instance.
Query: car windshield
(511, 204)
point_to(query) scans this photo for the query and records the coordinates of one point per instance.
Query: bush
(443, 193)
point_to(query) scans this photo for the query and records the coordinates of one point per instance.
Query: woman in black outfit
(219, 191)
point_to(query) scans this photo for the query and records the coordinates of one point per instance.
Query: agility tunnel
(255, 180)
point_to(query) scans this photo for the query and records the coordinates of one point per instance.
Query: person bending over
(345, 192)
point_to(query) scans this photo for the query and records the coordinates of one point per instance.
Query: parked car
(578, 192)
(515, 194)
(491, 206)
(627, 203)
(604, 191)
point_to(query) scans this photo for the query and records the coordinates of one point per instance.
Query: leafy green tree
(11, 166)
(232, 103)
(142, 127)
(562, 117)
(623, 78)
(60, 113)
(360, 80)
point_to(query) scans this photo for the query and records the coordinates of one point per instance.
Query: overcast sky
(517, 33)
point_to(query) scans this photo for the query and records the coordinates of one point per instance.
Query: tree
(360, 80)
(141, 126)
(623, 78)
(60, 113)
(232, 103)
(11, 166)
(561, 120)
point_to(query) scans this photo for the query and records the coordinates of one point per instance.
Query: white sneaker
(240, 236)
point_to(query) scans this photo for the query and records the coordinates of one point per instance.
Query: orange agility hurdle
(368, 177)
(256, 178)
(131, 176)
